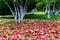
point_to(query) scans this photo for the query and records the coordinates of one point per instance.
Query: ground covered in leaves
(30, 30)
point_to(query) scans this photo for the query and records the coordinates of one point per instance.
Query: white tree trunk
(18, 17)
(23, 13)
(46, 10)
(54, 7)
(56, 12)
(59, 9)
(32, 12)
(49, 13)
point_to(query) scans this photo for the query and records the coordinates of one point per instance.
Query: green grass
(42, 17)
(5, 21)
(37, 15)
(39, 12)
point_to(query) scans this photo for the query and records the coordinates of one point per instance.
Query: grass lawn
(42, 17)
(6, 20)
(37, 15)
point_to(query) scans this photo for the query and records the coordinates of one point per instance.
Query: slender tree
(19, 9)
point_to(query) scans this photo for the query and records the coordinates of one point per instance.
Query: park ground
(29, 19)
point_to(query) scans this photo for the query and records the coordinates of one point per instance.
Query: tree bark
(59, 10)
(54, 7)
(56, 12)
(49, 13)
(46, 10)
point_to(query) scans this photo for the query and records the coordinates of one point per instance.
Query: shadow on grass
(42, 17)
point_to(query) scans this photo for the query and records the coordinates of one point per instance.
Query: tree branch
(28, 4)
(9, 7)
(21, 2)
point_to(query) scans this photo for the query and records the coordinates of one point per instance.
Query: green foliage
(4, 10)
(43, 3)
(31, 6)
(34, 4)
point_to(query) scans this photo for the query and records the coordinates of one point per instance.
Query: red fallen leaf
(27, 28)
(17, 32)
(53, 38)
(28, 34)
(39, 39)
(1, 30)
(42, 31)
(45, 24)
(58, 22)
(58, 28)
(53, 34)
(34, 34)
(45, 36)
(52, 31)
(49, 23)
(21, 37)
(7, 36)
(14, 37)
(1, 38)
(1, 24)
(58, 35)
(10, 26)
(22, 32)
(18, 26)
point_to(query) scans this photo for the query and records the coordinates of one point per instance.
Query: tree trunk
(32, 12)
(59, 10)
(18, 17)
(21, 14)
(49, 13)
(54, 7)
(56, 12)
(46, 10)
